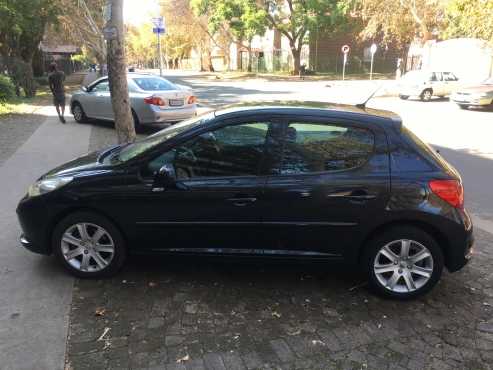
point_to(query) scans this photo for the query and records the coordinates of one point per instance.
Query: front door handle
(241, 202)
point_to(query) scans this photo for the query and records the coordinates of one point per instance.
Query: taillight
(450, 191)
(192, 99)
(155, 100)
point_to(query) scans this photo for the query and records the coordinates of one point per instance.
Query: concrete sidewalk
(35, 295)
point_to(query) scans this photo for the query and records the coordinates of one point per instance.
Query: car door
(98, 101)
(437, 83)
(331, 183)
(215, 205)
(450, 82)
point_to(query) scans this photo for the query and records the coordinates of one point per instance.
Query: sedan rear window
(154, 84)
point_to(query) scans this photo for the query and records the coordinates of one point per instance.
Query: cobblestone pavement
(15, 129)
(191, 314)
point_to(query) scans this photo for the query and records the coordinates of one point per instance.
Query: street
(195, 314)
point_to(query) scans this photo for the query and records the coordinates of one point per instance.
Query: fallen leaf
(183, 359)
(294, 332)
(316, 341)
(276, 314)
(100, 311)
(106, 330)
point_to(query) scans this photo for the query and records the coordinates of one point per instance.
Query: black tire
(395, 234)
(137, 125)
(119, 254)
(426, 95)
(79, 116)
(404, 97)
(463, 106)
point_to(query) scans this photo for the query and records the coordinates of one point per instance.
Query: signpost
(373, 50)
(345, 50)
(159, 28)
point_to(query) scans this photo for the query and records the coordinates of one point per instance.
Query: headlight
(47, 185)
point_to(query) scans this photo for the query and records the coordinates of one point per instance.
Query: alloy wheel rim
(87, 247)
(403, 266)
(427, 95)
(77, 112)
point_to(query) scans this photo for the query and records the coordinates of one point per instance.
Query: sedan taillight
(154, 100)
(450, 191)
(192, 99)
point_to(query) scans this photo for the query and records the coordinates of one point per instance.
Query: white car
(425, 84)
(480, 95)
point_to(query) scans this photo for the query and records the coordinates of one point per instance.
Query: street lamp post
(373, 50)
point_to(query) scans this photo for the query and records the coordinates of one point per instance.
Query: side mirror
(165, 177)
(83, 88)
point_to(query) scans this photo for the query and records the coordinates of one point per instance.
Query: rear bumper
(156, 115)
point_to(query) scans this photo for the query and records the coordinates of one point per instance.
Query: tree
(117, 74)
(22, 27)
(469, 18)
(399, 21)
(240, 19)
(296, 18)
(83, 21)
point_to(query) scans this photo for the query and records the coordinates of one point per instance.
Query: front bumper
(35, 220)
(469, 100)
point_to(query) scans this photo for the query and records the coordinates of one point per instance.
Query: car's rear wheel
(137, 125)
(404, 97)
(89, 245)
(463, 106)
(78, 113)
(426, 95)
(403, 262)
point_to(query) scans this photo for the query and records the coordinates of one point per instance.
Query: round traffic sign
(373, 48)
(345, 49)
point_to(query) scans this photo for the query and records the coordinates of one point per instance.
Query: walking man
(56, 79)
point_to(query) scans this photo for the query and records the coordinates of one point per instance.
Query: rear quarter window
(412, 154)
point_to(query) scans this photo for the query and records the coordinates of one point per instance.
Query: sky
(139, 11)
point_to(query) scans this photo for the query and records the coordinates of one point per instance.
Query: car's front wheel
(426, 95)
(403, 263)
(404, 97)
(89, 245)
(78, 112)
(463, 106)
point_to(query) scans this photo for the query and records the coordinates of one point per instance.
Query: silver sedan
(154, 100)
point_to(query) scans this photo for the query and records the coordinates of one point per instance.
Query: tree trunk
(117, 76)
(296, 60)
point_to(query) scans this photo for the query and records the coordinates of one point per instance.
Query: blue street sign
(158, 30)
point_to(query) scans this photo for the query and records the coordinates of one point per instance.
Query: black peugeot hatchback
(337, 184)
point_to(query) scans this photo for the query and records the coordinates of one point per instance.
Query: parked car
(344, 185)
(426, 84)
(154, 100)
(479, 95)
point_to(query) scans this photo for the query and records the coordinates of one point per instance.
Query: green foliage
(7, 89)
(41, 80)
(469, 18)
(243, 18)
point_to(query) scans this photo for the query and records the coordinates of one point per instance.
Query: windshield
(133, 150)
(414, 75)
(154, 84)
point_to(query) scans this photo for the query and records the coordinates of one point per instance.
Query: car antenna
(363, 105)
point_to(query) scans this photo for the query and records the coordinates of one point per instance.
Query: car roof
(312, 108)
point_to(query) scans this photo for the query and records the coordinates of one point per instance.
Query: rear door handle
(355, 195)
(241, 202)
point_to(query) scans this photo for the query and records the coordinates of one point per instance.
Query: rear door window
(317, 147)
